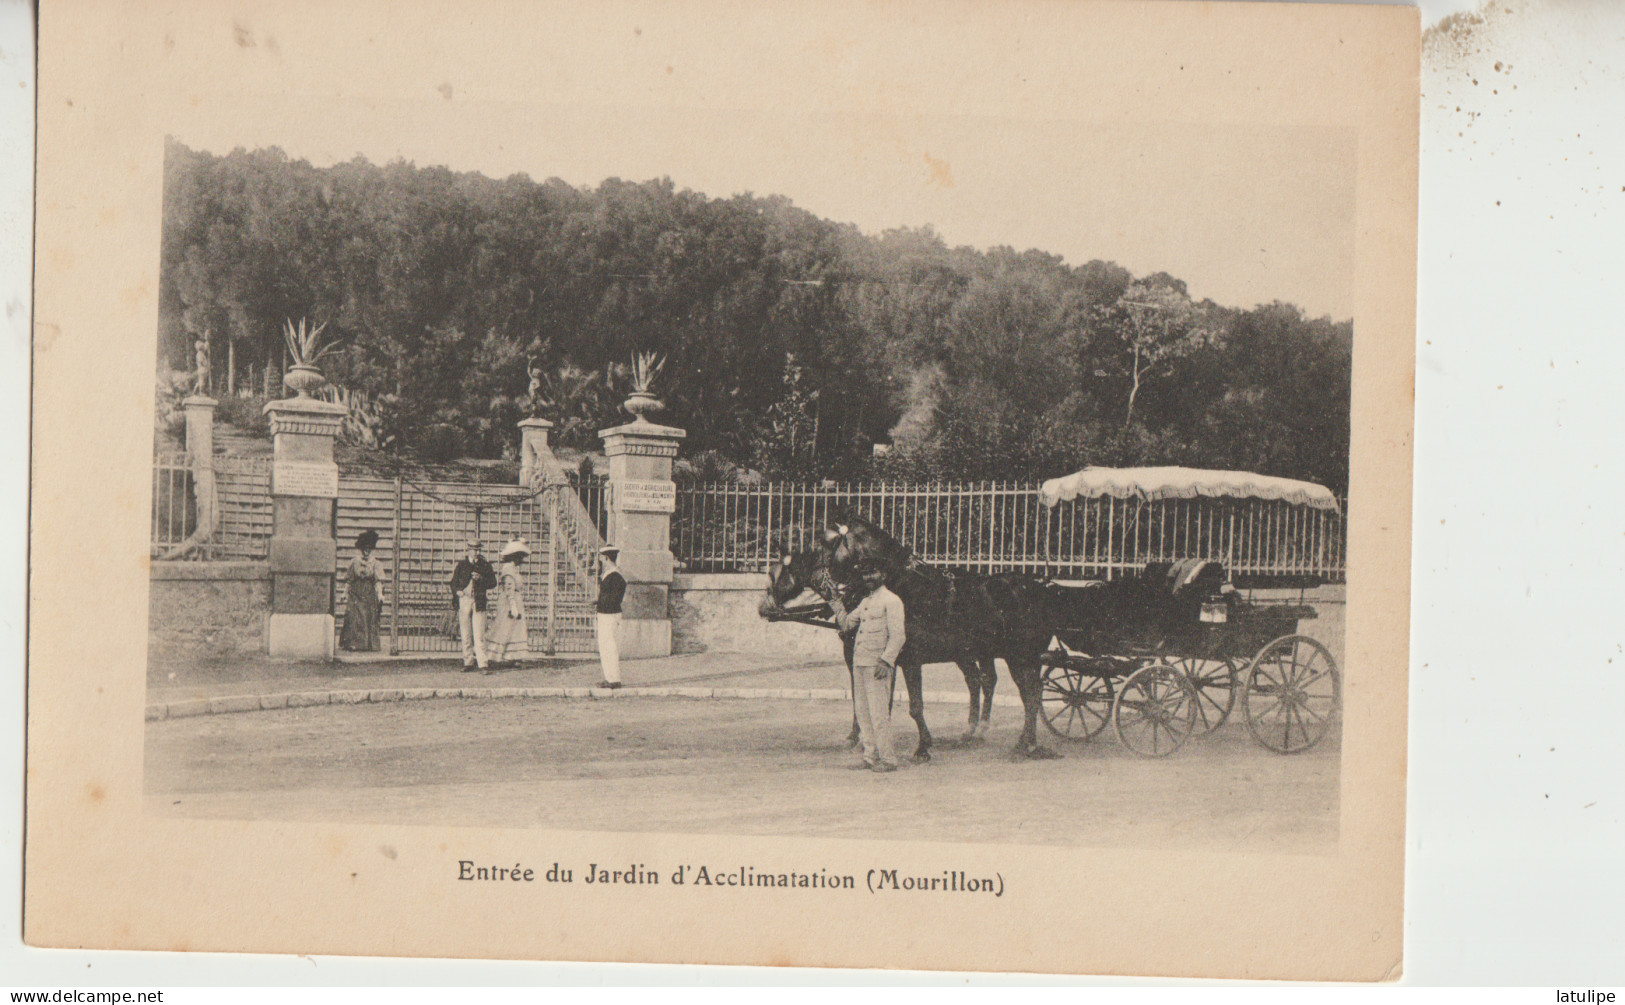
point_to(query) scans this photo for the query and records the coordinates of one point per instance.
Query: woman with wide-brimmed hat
(509, 636)
(363, 605)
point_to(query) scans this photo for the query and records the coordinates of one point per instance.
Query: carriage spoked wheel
(1215, 682)
(1076, 705)
(1155, 710)
(1291, 694)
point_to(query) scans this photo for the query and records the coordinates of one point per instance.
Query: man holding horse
(955, 617)
(878, 637)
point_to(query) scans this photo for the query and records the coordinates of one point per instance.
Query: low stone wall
(208, 610)
(716, 612)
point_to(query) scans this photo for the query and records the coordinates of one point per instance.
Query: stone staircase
(574, 591)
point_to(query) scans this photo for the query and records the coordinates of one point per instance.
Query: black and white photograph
(607, 447)
(857, 473)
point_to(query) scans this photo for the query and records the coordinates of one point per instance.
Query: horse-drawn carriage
(1162, 652)
(1167, 651)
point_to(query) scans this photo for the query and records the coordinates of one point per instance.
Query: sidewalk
(185, 688)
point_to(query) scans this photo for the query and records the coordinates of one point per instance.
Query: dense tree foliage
(793, 344)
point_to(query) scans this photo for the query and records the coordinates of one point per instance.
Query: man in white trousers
(611, 591)
(879, 626)
(470, 581)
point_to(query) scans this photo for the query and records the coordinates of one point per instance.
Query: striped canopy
(1182, 483)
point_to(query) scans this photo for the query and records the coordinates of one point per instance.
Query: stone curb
(302, 699)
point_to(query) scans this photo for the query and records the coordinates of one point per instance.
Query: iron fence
(235, 500)
(174, 502)
(729, 527)
(1004, 526)
(593, 491)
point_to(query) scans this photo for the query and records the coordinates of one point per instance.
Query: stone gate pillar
(303, 556)
(532, 448)
(199, 411)
(642, 498)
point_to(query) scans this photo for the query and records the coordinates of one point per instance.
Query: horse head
(831, 567)
(791, 577)
(853, 542)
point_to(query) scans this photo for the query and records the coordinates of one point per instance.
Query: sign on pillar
(303, 554)
(642, 498)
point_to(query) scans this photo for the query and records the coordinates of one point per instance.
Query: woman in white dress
(510, 632)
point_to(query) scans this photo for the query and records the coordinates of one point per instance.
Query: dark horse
(799, 572)
(952, 617)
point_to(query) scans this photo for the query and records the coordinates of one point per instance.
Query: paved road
(726, 766)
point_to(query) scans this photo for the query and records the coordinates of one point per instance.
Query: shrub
(169, 418)
(246, 414)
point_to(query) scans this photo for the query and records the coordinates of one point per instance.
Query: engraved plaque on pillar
(646, 497)
(305, 478)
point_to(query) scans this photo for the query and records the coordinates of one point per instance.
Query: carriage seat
(1188, 577)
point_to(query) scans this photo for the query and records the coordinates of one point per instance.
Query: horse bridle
(823, 583)
(809, 614)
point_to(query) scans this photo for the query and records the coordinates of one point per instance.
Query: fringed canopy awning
(1183, 483)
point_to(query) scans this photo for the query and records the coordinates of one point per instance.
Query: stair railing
(569, 523)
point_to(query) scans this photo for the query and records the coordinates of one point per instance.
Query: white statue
(202, 348)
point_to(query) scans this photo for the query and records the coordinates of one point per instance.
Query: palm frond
(305, 343)
(646, 367)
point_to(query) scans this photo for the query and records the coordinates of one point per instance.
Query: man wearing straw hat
(611, 591)
(470, 580)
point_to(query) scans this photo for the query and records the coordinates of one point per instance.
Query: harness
(822, 581)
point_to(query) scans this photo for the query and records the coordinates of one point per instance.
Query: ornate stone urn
(305, 349)
(646, 366)
(302, 378)
(643, 404)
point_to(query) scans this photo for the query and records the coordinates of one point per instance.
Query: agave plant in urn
(305, 349)
(642, 403)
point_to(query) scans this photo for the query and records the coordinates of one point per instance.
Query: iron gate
(425, 528)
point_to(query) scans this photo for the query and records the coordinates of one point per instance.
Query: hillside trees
(1138, 336)
(793, 343)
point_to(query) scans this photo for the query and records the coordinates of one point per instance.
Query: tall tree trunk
(818, 414)
(231, 367)
(1134, 391)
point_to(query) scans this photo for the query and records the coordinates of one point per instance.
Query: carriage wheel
(1293, 690)
(1215, 682)
(1155, 712)
(1076, 705)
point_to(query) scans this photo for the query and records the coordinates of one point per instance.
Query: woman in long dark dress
(363, 608)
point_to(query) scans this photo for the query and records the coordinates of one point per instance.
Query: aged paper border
(115, 78)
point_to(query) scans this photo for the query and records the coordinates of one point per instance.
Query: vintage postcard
(890, 485)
